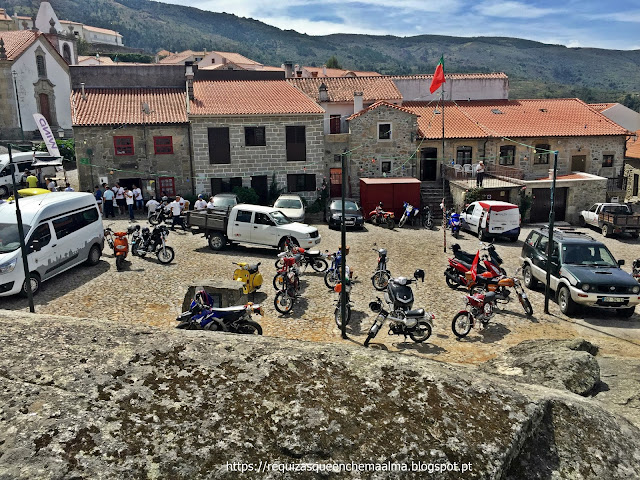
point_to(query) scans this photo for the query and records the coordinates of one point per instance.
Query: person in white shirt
(128, 196)
(200, 204)
(175, 212)
(120, 198)
(137, 195)
(69, 189)
(152, 205)
(210, 204)
(181, 201)
(52, 185)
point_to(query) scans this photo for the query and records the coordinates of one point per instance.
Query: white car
(292, 206)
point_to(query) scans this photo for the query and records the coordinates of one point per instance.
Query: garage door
(542, 204)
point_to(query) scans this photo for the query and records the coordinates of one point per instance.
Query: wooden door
(45, 109)
(335, 181)
(542, 204)
(334, 124)
(428, 164)
(578, 163)
(260, 185)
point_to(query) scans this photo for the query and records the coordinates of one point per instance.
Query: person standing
(128, 196)
(68, 188)
(200, 204)
(120, 199)
(32, 180)
(98, 195)
(137, 195)
(479, 174)
(108, 197)
(52, 185)
(175, 212)
(211, 204)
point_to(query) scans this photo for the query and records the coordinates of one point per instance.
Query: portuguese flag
(438, 76)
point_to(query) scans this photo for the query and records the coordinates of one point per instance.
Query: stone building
(632, 169)
(243, 132)
(133, 136)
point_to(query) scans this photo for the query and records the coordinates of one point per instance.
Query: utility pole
(343, 248)
(15, 85)
(547, 288)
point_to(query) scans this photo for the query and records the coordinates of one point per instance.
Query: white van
(24, 161)
(492, 218)
(62, 229)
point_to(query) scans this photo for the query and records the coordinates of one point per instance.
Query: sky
(613, 24)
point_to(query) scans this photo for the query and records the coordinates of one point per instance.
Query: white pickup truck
(253, 224)
(611, 218)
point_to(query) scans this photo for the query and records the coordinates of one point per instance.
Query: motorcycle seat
(418, 312)
(313, 253)
(236, 308)
(253, 268)
(485, 280)
(489, 296)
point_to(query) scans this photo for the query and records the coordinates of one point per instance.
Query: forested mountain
(535, 69)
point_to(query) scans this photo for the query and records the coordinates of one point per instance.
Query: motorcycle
(500, 286)
(286, 297)
(380, 217)
(289, 264)
(491, 254)
(203, 316)
(479, 310)
(338, 311)
(410, 213)
(146, 241)
(160, 215)
(381, 275)
(458, 273)
(427, 219)
(248, 275)
(635, 272)
(453, 223)
(305, 257)
(333, 274)
(398, 298)
(119, 241)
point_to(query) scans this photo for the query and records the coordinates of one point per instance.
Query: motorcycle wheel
(319, 265)
(374, 220)
(461, 324)
(373, 331)
(154, 220)
(421, 332)
(283, 302)
(390, 223)
(331, 278)
(279, 263)
(380, 280)
(402, 221)
(526, 304)
(249, 327)
(456, 233)
(338, 316)
(188, 325)
(451, 283)
(120, 262)
(477, 289)
(165, 255)
(278, 281)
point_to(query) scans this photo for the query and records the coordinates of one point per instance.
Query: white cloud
(512, 9)
(632, 17)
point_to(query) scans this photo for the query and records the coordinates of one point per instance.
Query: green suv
(583, 272)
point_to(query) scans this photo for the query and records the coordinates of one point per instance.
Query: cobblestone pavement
(152, 293)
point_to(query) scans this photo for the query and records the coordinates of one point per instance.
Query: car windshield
(616, 209)
(592, 255)
(280, 218)
(9, 238)
(224, 201)
(348, 206)
(288, 203)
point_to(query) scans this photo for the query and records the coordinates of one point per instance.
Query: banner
(47, 135)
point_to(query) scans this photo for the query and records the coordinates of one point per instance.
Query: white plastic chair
(458, 169)
(468, 169)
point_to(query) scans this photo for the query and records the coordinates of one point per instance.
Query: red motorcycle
(479, 310)
(459, 271)
(381, 217)
(289, 266)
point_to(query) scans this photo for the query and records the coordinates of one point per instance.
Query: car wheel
(606, 231)
(566, 303)
(216, 241)
(35, 285)
(625, 312)
(581, 221)
(529, 280)
(4, 191)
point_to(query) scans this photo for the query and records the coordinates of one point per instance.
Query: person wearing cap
(479, 174)
(200, 204)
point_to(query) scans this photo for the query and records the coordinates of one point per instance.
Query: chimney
(357, 102)
(3, 51)
(323, 93)
(298, 71)
(84, 96)
(189, 75)
(288, 69)
(324, 70)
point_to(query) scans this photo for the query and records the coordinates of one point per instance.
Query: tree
(333, 62)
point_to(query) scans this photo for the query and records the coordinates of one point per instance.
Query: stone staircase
(431, 194)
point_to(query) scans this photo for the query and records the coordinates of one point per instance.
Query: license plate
(350, 222)
(497, 228)
(613, 299)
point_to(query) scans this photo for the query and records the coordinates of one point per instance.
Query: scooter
(333, 274)
(120, 243)
(152, 242)
(381, 275)
(453, 223)
(410, 213)
(249, 275)
(459, 271)
(479, 308)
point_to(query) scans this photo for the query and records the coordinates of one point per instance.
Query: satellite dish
(145, 108)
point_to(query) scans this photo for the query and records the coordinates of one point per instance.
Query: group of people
(118, 197)
(32, 180)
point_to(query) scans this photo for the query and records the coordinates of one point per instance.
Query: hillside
(535, 69)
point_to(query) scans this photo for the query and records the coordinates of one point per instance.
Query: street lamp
(15, 85)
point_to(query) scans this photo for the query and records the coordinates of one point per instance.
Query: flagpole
(442, 170)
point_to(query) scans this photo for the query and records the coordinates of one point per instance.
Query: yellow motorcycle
(249, 276)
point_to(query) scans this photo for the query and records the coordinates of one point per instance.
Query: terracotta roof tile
(237, 58)
(101, 60)
(559, 117)
(459, 76)
(101, 30)
(4, 15)
(250, 98)
(180, 57)
(381, 104)
(114, 106)
(599, 107)
(338, 72)
(341, 89)
(633, 146)
(17, 41)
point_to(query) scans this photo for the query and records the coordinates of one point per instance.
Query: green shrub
(246, 195)
(473, 195)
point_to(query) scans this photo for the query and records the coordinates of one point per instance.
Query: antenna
(146, 110)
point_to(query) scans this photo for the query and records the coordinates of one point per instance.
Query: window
(263, 219)
(123, 145)
(301, 182)
(162, 145)
(296, 144)
(219, 146)
(385, 166)
(507, 154)
(470, 209)
(41, 66)
(167, 186)
(337, 158)
(607, 160)
(225, 185)
(68, 224)
(463, 155)
(66, 53)
(533, 238)
(384, 131)
(541, 154)
(243, 216)
(254, 137)
(334, 124)
(43, 234)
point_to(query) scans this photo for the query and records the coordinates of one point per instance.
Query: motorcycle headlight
(9, 266)
(636, 289)
(585, 287)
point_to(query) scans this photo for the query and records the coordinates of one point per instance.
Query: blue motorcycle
(410, 212)
(333, 275)
(453, 223)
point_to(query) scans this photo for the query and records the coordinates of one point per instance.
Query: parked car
(254, 224)
(611, 218)
(224, 201)
(292, 206)
(492, 218)
(353, 213)
(583, 272)
(62, 230)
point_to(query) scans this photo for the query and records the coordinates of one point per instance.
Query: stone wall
(9, 127)
(262, 160)
(143, 164)
(368, 153)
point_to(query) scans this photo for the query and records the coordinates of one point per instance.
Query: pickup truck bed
(619, 223)
(203, 220)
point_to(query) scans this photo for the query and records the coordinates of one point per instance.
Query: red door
(44, 107)
(335, 181)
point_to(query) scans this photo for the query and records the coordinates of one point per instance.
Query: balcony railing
(617, 183)
(496, 176)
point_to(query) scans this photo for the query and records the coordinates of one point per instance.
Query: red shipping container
(391, 191)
